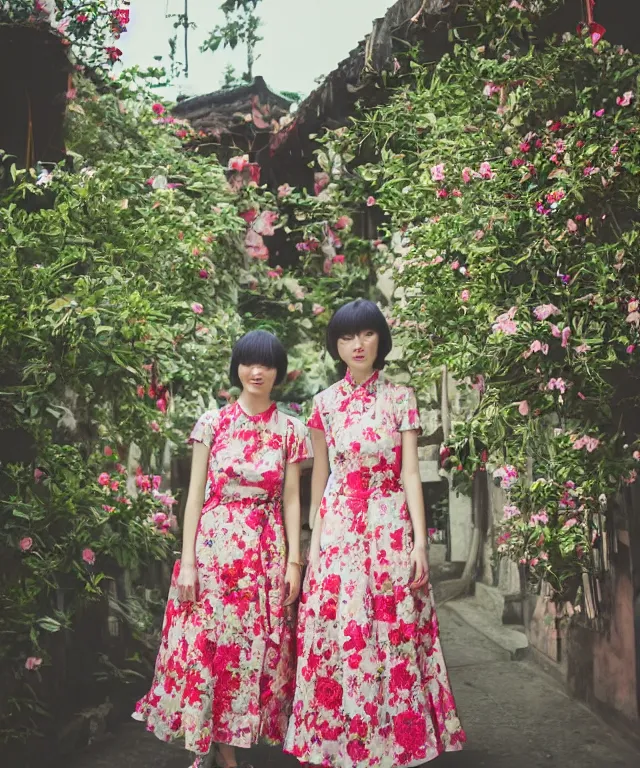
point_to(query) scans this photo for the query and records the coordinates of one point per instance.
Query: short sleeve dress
(225, 670)
(371, 688)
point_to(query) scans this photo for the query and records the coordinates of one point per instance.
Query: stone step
(511, 638)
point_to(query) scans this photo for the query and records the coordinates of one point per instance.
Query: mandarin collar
(370, 386)
(256, 418)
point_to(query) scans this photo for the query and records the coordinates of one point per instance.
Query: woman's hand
(419, 566)
(188, 583)
(292, 579)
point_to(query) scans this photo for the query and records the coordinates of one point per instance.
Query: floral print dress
(226, 666)
(372, 688)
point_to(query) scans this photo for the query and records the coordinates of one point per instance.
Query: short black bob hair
(261, 348)
(355, 317)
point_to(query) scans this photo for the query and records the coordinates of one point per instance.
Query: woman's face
(257, 379)
(359, 350)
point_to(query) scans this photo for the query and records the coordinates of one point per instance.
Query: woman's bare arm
(195, 500)
(413, 491)
(291, 503)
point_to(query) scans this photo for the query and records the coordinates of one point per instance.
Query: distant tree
(240, 28)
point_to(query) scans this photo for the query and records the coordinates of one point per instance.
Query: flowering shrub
(508, 176)
(117, 318)
(91, 29)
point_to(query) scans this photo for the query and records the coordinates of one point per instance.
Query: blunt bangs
(258, 348)
(355, 317)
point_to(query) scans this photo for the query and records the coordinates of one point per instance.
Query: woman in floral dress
(225, 670)
(372, 687)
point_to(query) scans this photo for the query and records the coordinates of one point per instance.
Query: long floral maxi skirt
(225, 669)
(372, 687)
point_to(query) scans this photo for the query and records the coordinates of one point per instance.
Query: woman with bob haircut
(372, 688)
(225, 671)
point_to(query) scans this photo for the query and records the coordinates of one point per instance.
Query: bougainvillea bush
(91, 29)
(119, 274)
(509, 176)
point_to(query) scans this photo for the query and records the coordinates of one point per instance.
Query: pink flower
(317, 309)
(203, 274)
(636, 455)
(557, 384)
(543, 311)
(590, 170)
(510, 511)
(26, 543)
(536, 346)
(599, 112)
(479, 384)
(485, 171)
(371, 201)
(582, 348)
(539, 518)
(321, 180)
(489, 89)
(467, 175)
(255, 247)
(590, 443)
(565, 336)
(631, 349)
(615, 149)
(625, 99)
(108, 451)
(338, 259)
(273, 274)
(32, 663)
(442, 193)
(437, 172)
(515, 4)
(284, 190)
(507, 475)
(523, 408)
(104, 479)
(344, 222)
(38, 474)
(158, 109)
(596, 31)
(89, 556)
(464, 296)
(197, 308)
(572, 226)
(155, 427)
(456, 193)
(72, 93)
(239, 163)
(517, 162)
(113, 53)
(555, 331)
(108, 508)
(455, 265)
(504, 323)
(161, 404)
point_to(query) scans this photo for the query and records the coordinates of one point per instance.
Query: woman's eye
(346, 338)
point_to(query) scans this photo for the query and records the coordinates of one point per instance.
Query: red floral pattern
(372, 688)
(225, 669)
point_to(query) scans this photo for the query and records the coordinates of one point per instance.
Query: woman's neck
(254, 404)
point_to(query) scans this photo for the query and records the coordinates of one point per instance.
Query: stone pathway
(514, 715)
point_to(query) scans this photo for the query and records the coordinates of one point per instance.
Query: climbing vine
(507, 179)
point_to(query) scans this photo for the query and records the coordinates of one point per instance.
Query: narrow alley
(513, 714)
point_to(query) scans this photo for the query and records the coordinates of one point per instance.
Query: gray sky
(303, 39)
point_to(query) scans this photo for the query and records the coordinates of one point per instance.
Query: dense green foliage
(508, 178)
